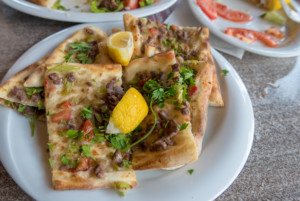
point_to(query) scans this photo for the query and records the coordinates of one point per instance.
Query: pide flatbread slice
(82, 47)
(44, 3)
(171, 143)
(189, 43)
(27, 101)
(79, 101)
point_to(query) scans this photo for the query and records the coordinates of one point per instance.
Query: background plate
(75, 16)
(287, 48)
(226, 146)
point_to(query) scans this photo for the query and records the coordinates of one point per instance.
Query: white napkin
(184, 16)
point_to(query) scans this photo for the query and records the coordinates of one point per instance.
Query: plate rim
(70, 16)
(9, 164)
(265, 51)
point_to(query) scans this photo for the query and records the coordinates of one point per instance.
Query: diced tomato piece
(153, 31)
(63, 115)
(174, 27)
(276, 32)
(208, 8)
(66, 105)
(88, 127)
(131, 4)
(46, 84)
(232, 15)
(192, 90)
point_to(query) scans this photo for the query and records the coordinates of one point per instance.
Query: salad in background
(271, 37)
(95, 6)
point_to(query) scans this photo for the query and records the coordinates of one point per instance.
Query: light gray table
(272, 171)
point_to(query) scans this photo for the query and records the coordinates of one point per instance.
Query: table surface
(272, 171)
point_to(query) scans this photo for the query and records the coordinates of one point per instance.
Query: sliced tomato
(63, 115)
(66, 105)
(131, 4)
(276, 32)
(192, 90)
(208, 8)
(267, 39)
(153, 31)
(252, 35)
(232, 15)
(245, 35)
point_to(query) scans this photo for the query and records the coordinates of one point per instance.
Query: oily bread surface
(184, 151)
(198, 40)
(84, 95)
(58, 55)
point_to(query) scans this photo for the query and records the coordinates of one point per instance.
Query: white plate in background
(287, 48)
(74, 15)
(226, 146)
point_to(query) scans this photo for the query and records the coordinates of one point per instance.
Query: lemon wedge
(129, 113)
(120, 47)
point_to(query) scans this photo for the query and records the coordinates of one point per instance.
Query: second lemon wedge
(129, 113)
(120, 47)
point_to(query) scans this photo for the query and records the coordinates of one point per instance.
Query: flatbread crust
(17, 81)
(44, 3)
(198, 41)
(58, 55)
(90, 79)
(184, 151)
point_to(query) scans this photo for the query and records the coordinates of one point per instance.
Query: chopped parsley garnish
(21, 108)
(40, 106)
(9, 103)
(137, 56)
(127, 163)
(58, 6)
(168, 27)
(117, 141)
(190, 171)
(224, 72)
(80, 49)
(72, 134)
(50, 162)
(170, 75)
(50, 146)
(65, 160)
(86, 150)
(63, 122)
(87, 112)
(83, 58)
(33, 90)
(183, 126)
(99, 137)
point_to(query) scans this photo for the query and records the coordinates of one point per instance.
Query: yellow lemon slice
(120, 47)
(129, 113)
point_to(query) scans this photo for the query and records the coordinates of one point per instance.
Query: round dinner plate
(226, 145)
(289, 47)
(74, 15)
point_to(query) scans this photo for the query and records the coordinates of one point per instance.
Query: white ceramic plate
(287, 48)
(226, 146)
(74, 15)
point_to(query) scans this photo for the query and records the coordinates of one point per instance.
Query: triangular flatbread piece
(172, 142)
(27, 101)
(189, 43)
(82, 47)
(78, 100)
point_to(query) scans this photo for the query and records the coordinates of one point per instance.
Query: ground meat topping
(109, 4)
(89, 31)
(36, 97)
(20, 94)
(185, 111)
(114, 93)
(99, 170)
(71, 77)
(55, 78)
(94, 51)
(71, 125)
(182, 35)
(175, 68)
(117, 158)
(83, 164)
